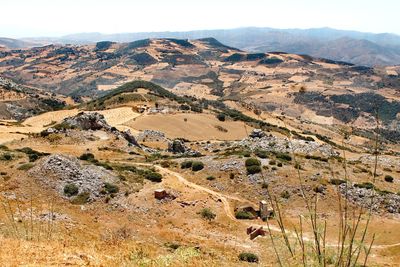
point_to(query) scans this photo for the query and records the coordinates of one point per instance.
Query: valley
(171, 152)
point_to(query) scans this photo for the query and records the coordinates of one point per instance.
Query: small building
(265, 213)
(160, 194)
(254, 232)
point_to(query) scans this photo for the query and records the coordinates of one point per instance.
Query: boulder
(257, 133)
(177, 147)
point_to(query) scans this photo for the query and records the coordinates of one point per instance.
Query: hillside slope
(313, 89)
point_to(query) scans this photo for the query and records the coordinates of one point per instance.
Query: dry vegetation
(186, 193)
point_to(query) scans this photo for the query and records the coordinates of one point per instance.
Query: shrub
(244, 215)
(153, 176)
(33, 155)
(297, 166)
(71, 190)
(186, 164)
(252, 162)
(284, 156)
(221, 117)
(207, 214)
(210, 178)
(6, 156)
(87, 157)
(366, 185)
(272, 162)
(249, 257)
(337, 181)
(279, 164)
(389, 178)
(285, 194)
(197, 166)
(253, 169)
(111, 188)
(25, 167)
(81, 199)
(261, 154)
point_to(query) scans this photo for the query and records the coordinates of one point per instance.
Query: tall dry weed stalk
(314, 250)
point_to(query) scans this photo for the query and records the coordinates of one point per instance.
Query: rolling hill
(351, 46)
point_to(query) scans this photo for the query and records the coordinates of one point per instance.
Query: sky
(37, 18)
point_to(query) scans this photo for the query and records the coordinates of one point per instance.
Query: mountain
(15, 43)
(356, 47)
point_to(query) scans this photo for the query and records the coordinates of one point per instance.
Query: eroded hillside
(302, 87)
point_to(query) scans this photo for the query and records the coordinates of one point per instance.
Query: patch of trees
(143, 59)
(270, 61)
(181, 42)
(104, 45)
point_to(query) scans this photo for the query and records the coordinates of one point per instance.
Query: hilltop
(319, 42)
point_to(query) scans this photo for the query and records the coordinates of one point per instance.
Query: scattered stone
(366, 198)
(57, 171)
(151, 135)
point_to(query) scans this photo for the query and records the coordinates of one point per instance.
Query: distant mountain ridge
(356, 47)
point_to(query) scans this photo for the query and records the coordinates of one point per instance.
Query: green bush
(111, 188)
(285, 194)
(253, 169)
(366, 185)
(25, 167)
(87, 157)
(71, 190)
(33, 155)
(272, 162)
(389, 178)
(186, 164)
(197, 166)
(6, 157)
(221, 117)
(249, 257)
(284, 156)
(81, 199)
(243, 215)
(337, 181)
(153, 176)
(207, 214)
(252, 162)
(261, 154)
(210, 178)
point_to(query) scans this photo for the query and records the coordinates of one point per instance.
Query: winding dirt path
(228, 210)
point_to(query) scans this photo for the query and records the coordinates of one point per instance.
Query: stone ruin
(254, 232)
(93, 121)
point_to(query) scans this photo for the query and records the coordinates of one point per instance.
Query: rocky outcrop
(257, 133)
(57, 171)
(366, 198)
(88, 121)
(284, 145)
(151, 135)
(177, 146)
(92, 121)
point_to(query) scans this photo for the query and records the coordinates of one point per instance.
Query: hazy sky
(23, 18)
